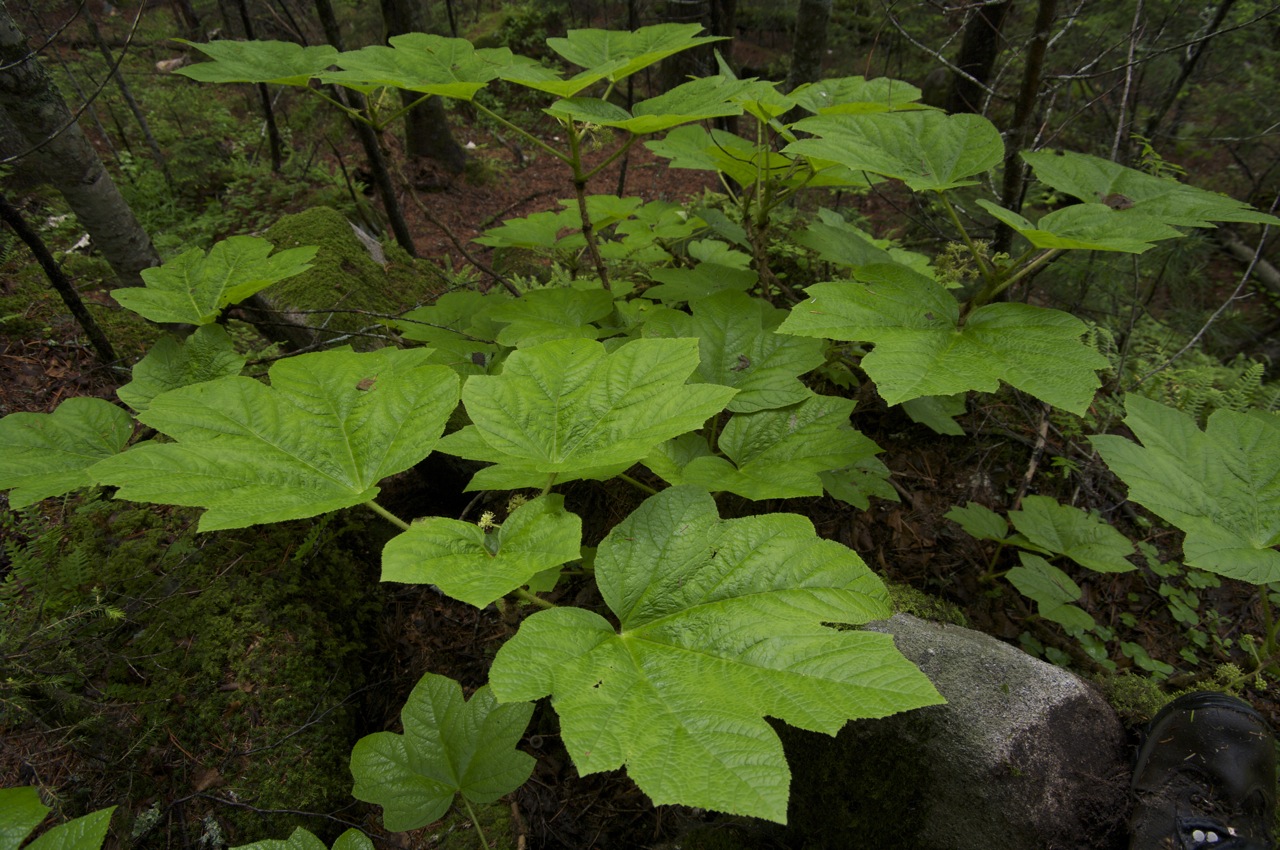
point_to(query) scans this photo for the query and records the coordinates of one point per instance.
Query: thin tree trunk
(426, 126)
(1016, 138)
(809, 45)
(268, 114)
(60, 154)
(1188, 67)
(979, 48)
(369, 140)
(12, 217)
(156, 153)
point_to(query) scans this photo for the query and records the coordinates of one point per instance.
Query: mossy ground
(344, 277)
(215, 678)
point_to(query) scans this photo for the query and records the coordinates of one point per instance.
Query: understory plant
(661, 363)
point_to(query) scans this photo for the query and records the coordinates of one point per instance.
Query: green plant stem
(613, 157)
(533, 598)
(475, 821)
(387, 515)
(987, 274)
(551, 481)
(534, 140)
(403, 110)
(580, 191)
(353, 114)
(1026, 270)
(639, 485)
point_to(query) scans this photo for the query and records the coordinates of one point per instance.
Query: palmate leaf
(21, 812)
(302, 839)
(1064, 530)
(739, 348)
(721, 623)
(449, 746)
(566, 410)
(696, 100)
(543, 315)
(429, 64)
(205, 355)
(850, 95)
(328, 429)
(624, 53)
(837, 241)
(1053, 591)
(1220, 485)
(192, 288)
(921, 349)
(280, 62)
(1088, 227)
(476, 566)
(49, 454)
(925, 150)
(701, 281)
(1096, 180)
(769, 454)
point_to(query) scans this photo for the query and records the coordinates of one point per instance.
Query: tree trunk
(368, 139)
(1016, 138)
(112, 68)
(58, 152)
(979, 48)
(809, 45)
(268, 114)
(426, 126)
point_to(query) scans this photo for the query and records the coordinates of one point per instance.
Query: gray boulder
(1023, 755)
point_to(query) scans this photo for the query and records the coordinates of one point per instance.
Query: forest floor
(1012, 444)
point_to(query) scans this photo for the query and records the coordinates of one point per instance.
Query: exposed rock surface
(1023, 755)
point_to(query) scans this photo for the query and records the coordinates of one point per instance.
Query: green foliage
(301, 839)
(193, 288)
(923, 348)
(331, 425)
(50, 454)
(1220, 485)
(21, 812)
(206, 355)
(450, 746)
(697, 657)
(479, 565)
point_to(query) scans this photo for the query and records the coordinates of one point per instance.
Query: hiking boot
(1205, 778)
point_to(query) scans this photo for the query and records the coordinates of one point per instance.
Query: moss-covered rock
(222, 670)
(347, 275)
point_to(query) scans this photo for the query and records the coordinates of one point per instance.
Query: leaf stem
(403, 110)
(489, 113)
(987, 274)
(580, 191)
(475, 821)
(639, 485)
(533, 598)
(387, 515)
(626, 146)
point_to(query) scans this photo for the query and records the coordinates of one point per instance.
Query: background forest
(209, 674)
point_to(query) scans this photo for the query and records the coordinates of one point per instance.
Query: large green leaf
(696, 100)
(449, 746)
(478, 566)
(770, 454)
(458, 327)
(1095, 180)
(1082, 537)
(429, 64)
(281, 62)
(623, 53)
(739, 348)
(837, 241)
(192, 288)
(847, 95)
(568, 410)
(721, 623)
(546, 314)
(1053, 591)
(921, 349)
(925, 150)
(702, 280)
(1088, 227)
(205, 355)
(301, 839)
(49, 454)
(328, 429)
(1220, 485)
(20, 813)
